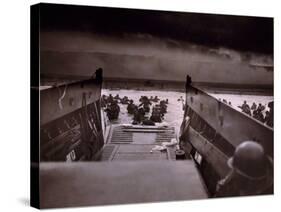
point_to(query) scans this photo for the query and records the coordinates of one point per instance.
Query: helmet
(249, 160)
(270, 105)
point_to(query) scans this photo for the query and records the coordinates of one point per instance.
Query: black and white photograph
(141, 106)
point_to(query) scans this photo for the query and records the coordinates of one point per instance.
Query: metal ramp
(126, 161)
(119, 136)
(134, 143)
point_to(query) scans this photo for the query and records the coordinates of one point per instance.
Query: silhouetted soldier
(245, 108)
(138, 115)
(254, 106)
(269, 119)
(148, 122)
(251, 172)
(261, 107)
(110, 99)
(116, 97)
(180, 99)
(136, 118)
(257, 114)
(156, 115)
(131, 107)
(113, 111)
(124, 100)
(156, 99)
(103, 101)
(145, 102)
(163, 106)
(141, 98)
(141, 111)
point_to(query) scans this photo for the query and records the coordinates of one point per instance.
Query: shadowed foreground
(102, 183)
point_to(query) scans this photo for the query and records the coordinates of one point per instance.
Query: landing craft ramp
(128, 171)
(131, 143)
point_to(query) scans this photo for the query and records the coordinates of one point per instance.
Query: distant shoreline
(147, 84)
(222, 88)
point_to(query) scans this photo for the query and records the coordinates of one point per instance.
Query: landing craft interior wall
(59, 101)
(71, 121)
(233, 125)
(215, 129)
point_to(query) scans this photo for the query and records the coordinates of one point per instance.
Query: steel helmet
(249, 160)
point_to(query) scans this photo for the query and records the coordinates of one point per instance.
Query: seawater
(174, 115)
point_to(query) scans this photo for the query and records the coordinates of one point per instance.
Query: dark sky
(160, 45)
(236, 32)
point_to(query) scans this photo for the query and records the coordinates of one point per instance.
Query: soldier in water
(103, 101)
(257, 114)
(113, 110)
(116, 97)
(138, 115)
(124, 100)
(145, 102)
(251, 172)
(131, 107)
(269, 118)
(156, 115)
(163, 107)
(254, 106)
(180, 99)
(109, 99)
(261, 107)
(245, 108)
(156, 99)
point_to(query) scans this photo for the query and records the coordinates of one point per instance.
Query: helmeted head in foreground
(251, 172)
(249, 160)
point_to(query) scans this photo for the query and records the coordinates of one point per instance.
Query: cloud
(144, 56)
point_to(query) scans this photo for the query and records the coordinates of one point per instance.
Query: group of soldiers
(110, 105)
(139, 111)
(257, 111)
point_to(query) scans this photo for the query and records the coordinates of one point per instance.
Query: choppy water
(174, 113)
(237, 99)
